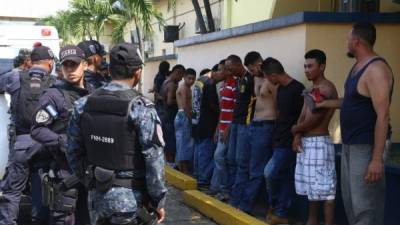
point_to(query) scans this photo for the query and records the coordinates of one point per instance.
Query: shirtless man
(315, 175)
(365, 135)
(183, 124)
(168, 92)
(260, 131)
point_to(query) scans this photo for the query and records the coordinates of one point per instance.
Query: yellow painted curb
(220, 212)
(179, 180)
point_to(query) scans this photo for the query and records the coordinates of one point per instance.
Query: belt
(129, 183)
(262, 122)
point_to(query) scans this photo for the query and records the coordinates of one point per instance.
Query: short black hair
(178, 67)
(222, 62)
(190, 71)
(163, 67)
(122, 72)
(204, 71)
(215, 68)
(251, 58)
(271, 65)
(316, 54)
(234, 59)
(365, 31)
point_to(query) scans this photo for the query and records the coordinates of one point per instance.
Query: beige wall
(331, 38)
(150, 71)
(389, 6)
(287, 45)
(287, 7)
(237, 13)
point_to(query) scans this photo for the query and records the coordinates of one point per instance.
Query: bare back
(184, 98)
(265, 92)
(322, 117)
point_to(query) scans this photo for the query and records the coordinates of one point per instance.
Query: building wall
(331, 38)
(287, 7)
(237, 13)
(183, 13)
(389, 6)
(287, 45)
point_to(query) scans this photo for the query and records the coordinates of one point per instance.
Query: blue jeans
(204, 163)
(279, 176)
(261, 137)
(238, 161)
(219, 181)
(183, 134)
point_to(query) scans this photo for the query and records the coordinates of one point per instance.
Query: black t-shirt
(289, 105)
(209, 112)
(244, 103)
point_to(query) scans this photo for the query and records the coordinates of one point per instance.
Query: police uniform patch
(92, 48)
(51, 54)
(42, 116)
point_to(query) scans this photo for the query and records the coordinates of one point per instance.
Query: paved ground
(180, 214)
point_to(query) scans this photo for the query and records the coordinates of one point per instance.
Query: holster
(69, 182)
(47, 190)
(104, 179)
(56, 196)
(11, 135)
(65, 201)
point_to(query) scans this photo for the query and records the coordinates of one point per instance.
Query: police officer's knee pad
(66, 201)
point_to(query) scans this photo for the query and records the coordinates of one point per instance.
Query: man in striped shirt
(219, 181)
(238, 157)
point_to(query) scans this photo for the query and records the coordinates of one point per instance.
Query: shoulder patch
(42, 116)
(143, 101)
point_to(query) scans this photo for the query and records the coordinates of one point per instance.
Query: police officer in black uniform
(115, 143)
(25, 89)
(49, 128)
(94, 53)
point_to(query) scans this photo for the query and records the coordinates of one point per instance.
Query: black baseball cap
(71, 53)
(41, 53)
(126, 54)
(91, 48)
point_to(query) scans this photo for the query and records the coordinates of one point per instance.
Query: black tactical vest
(110, 138)
(32, 87)
(70, 96)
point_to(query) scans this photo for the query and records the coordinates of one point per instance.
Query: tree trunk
(210, 19)
(199, 16)
(140, 86)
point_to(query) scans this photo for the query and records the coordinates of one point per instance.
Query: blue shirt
(357, 115)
